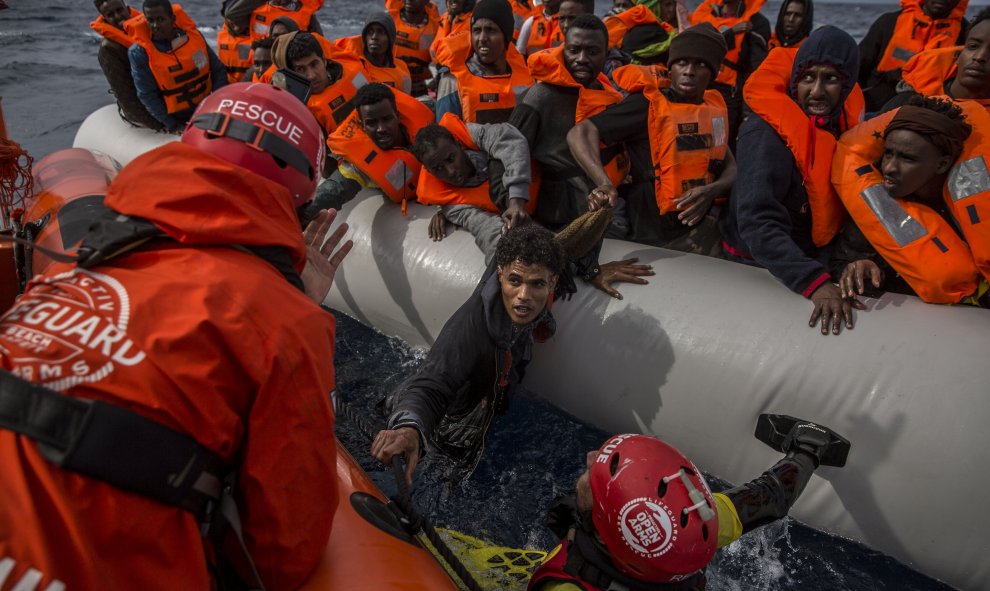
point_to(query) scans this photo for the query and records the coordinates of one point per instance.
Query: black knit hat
(498, 11)
(702, 42)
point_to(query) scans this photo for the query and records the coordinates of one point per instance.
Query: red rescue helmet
(264, 129)
(652, 509)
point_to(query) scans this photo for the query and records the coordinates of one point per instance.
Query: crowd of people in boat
(840, 168)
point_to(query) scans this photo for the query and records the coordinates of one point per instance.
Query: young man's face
(376, 41)
(449, 163)
(455, 7)
(690, 77)
(569, 10)
(819, 90)
(314, 68)
(161, 22)
(262, 60)
(793, 19)
(668, 12)
(974, 61)
(414, 6)
(381, 122)
(488, 42)
(234, 29)
(115, 12)
(525, 290)
(910, 162)
(584, 54)
(551, 6)
(277, 30)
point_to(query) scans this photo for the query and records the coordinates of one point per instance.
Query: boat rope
(417, 522)
(15, 177)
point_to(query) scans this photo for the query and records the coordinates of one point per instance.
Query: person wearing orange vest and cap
(677, 140)
(570, 87)
(915, 183)
(261, 57)
(482, 75)
(374, 49)
(258, 16)
(794, 23)
(962, 73)
(181, 364)
(333, 83)
(783, 213)
(172, 65)
(373, 147)
(746, 33)
(234, 50)
(115, 65)
(540, 31)
(415, 29)
(895, 37)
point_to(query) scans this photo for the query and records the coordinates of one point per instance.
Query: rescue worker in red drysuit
(115, 65)
(783, 213)
(962, 73)
(895, 37)
(915, 195)
(192, 310)
(643, 518)
(172, 66)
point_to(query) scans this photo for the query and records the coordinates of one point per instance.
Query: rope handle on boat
(403, 499)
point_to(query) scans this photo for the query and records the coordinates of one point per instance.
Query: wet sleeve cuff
(815, 284)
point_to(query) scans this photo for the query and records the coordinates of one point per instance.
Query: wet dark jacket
(475, 364)
(117, 69)
(768, 218)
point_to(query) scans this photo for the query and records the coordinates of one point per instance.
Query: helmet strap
(255, 136)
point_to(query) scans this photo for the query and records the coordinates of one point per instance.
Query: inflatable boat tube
(698, 354)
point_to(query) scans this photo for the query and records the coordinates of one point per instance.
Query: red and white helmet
(264, 129)
(652, 509)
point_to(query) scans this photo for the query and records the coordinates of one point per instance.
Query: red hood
(197, 198)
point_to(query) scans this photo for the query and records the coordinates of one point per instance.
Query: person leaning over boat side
(794, 23)
(115, 65)
(897, 36)
(374, 48)
(962, 73)
(783, 212)
(373, 146)
(677, 141)
(188, 329)
(482, 75)
(261, 57)
(916, 222)
(643, 518)
(479, 359)
(173, 68)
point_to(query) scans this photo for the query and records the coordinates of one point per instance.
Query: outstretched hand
(515, 214)
(321, 260)
(395, 442)
(832, 308)
(853, 278)
(619, 271)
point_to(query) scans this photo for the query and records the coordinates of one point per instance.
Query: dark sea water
(50, 81)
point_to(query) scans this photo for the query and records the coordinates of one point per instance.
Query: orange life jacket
(766, 93)
(521, 10)
(235, 53)
(485, 99)
(432, 191)
(707, 13)
(108, 31)
(774, 43)
(430, 8)
(182, 74)
(412, 43)
(330, 52)
(544, 32)
(395, 171)
(916, 32)
(396, 76)
(450, 25)
(549, 67)
(632, 78)
(928, 71)
(262, 17)
(335, 102)
(923, 247)
(620, 24)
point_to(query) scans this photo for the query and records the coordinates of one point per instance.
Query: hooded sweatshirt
(767, 221)
(803, 31)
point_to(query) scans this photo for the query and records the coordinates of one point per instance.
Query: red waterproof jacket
(205, 339)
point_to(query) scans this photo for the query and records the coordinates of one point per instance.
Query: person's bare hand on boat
(396, 442)
(619, 271)
(515, 214)
(695, 203)
(602, 196)
(832, 308)
(437, 229)
(321, 260)
(852, 281)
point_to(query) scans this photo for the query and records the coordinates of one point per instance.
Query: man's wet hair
(980, 17)
(302, 45)
(587, 5)
(428, 138)
(590, 22)
(374, 93)
(531, 245)
(158, 4)
(263, 43)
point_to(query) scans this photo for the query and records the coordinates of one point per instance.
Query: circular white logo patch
(647, 527)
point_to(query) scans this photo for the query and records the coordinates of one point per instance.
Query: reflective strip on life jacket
(484, 99)
(264, 15)
(708, 11)
(967, 189)
(924, 248)
(915, 32)
(182, 74)
(412, 44)
(396, 76)
(432, 191)
(108, 31)
(235, 53)
(395, 171)
(336, 102)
